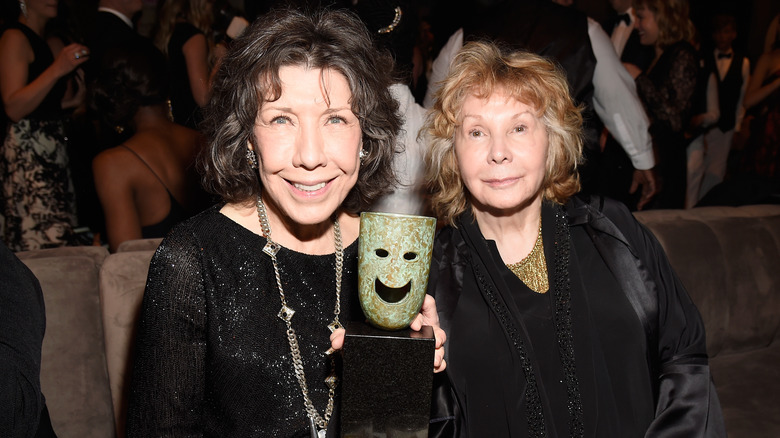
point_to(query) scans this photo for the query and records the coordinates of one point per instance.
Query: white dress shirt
(121, 16)
(621, 33)
(409, 196)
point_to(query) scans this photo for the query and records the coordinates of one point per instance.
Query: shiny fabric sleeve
(167, 387)
(669, 100)
(687, 404)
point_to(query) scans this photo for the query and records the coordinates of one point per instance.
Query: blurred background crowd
(103, 98)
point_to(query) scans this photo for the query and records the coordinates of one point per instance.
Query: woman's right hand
(69, 58)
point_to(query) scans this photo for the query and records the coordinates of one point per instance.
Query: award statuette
(388, 368)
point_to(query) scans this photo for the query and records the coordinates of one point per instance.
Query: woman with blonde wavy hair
(184, 35)
(667, 90)
(563, 315)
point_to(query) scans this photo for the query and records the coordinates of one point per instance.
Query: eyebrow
(514, 116)
(287, 109)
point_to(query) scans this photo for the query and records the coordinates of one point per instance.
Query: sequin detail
(563, 329)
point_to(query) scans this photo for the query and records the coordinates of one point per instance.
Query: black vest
(550, 30)
(729, 88)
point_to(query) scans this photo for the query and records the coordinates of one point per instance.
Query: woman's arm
(114, 188)
(683, 384)
(168, 379)
(77, 89)
(19, 97)
(756, 91)
(196, 55)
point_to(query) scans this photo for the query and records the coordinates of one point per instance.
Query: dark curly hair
(249, 76)
(131, 76)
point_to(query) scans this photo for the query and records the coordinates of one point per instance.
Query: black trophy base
(386, 382)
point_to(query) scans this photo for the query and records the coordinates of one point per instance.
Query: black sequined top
(212, 357)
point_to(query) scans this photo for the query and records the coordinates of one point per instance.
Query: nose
(310, 148)
(499, 151)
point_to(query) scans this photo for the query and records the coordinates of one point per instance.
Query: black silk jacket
(680, 399)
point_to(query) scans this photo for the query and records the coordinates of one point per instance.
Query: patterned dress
(37, 192)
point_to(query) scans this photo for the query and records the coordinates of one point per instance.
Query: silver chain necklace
(318, 423)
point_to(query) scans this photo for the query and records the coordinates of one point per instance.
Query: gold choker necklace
(532, 270)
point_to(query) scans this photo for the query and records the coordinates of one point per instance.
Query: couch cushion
(139, 244)
(749, 392)
(727, 258)
(74, 378)
(122, 282)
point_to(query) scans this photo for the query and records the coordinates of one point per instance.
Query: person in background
(113, 27)
(23, 412)
(615, 174)
(184, 35)
(761, 157)
(667, 88)
(624, 35)
(148, 183)
(569, 303)
(770, 39)
(38, 200)
(394, 26)
(245, 300)
(708, 159)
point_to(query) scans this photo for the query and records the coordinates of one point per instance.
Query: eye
(336, 120)
(280, 120)
(381, 253)
(476, 133)
(410, 256)
(520, 129)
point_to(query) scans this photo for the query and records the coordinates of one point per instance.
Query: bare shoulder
(14, 43)
(115, 162)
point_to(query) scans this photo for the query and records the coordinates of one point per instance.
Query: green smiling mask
(394, 260)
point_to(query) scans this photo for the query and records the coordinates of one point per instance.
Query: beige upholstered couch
(728, 258)
(92, 299)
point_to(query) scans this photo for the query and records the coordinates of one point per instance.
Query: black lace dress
(667, 90)
(212, 357)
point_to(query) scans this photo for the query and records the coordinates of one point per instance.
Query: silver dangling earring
(251, 158)
(23, 7)
(363, 154)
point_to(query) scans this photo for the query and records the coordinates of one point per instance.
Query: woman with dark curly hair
(563, 315)
(245, 301)
(147, 184)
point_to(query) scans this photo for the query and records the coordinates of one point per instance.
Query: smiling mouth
(306, 188)
(391, 294)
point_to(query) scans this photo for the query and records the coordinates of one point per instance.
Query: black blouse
(212, 357)
(626, 383)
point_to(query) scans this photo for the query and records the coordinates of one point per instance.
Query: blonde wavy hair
(195, 12)
(672, 18)
(481, 68)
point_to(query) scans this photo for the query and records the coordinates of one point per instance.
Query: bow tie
(625, 18)
(724, 55)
